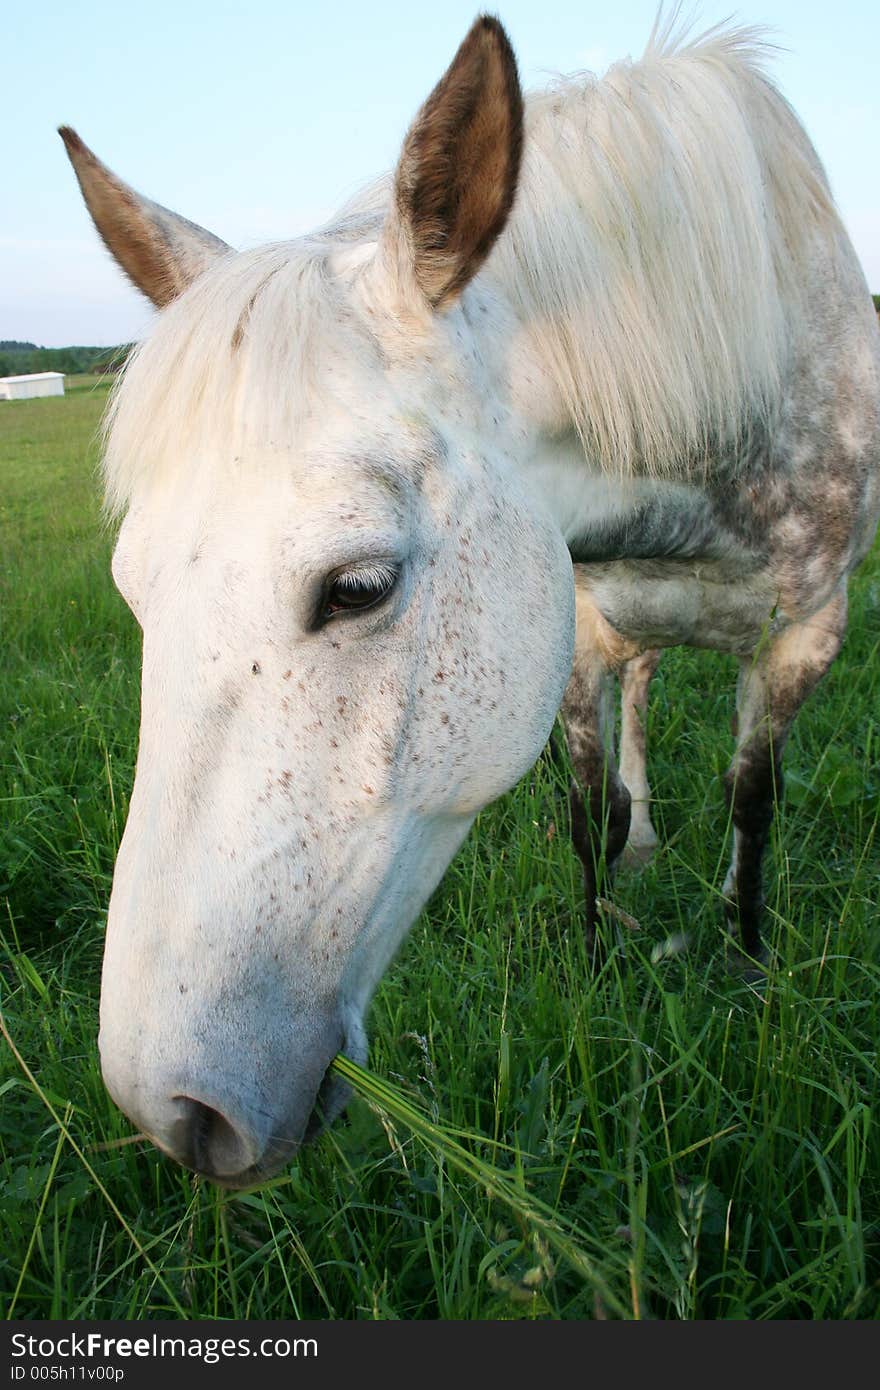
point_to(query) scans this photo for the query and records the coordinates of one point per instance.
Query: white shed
(21, 388)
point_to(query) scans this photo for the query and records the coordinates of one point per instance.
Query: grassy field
(705, 1148)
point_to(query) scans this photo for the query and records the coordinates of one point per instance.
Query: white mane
(661, 232)
(659, 240)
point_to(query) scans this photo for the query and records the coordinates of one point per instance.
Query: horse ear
(161, 252)
(456, 179)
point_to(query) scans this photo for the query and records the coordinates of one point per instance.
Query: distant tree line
(18, 359)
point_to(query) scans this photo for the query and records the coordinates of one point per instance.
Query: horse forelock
(235, 366)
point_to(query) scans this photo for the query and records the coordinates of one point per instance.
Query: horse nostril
(216, 1147)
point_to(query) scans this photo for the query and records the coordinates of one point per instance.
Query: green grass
(662, 1140)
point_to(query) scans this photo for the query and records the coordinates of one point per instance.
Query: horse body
(716, 355)
(356, 471)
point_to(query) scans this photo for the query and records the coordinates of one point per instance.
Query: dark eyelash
(356, 590)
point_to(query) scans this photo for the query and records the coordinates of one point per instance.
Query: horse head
(357, 621)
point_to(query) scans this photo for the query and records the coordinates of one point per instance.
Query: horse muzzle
(229, 1127)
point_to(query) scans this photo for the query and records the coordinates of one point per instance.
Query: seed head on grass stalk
(567, 1239)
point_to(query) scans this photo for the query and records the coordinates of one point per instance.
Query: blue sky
(257, 121)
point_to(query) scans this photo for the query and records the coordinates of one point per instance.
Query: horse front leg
(635, 680)
(773, 684)
(599, 800)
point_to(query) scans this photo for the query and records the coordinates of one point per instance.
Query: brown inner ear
(457, 176)
(159, 251)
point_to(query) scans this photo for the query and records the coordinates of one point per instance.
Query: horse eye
(355, 590)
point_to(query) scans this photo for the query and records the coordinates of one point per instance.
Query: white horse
(621, 326)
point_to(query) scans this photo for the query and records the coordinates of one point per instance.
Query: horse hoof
(637, 853)
(752, 970)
